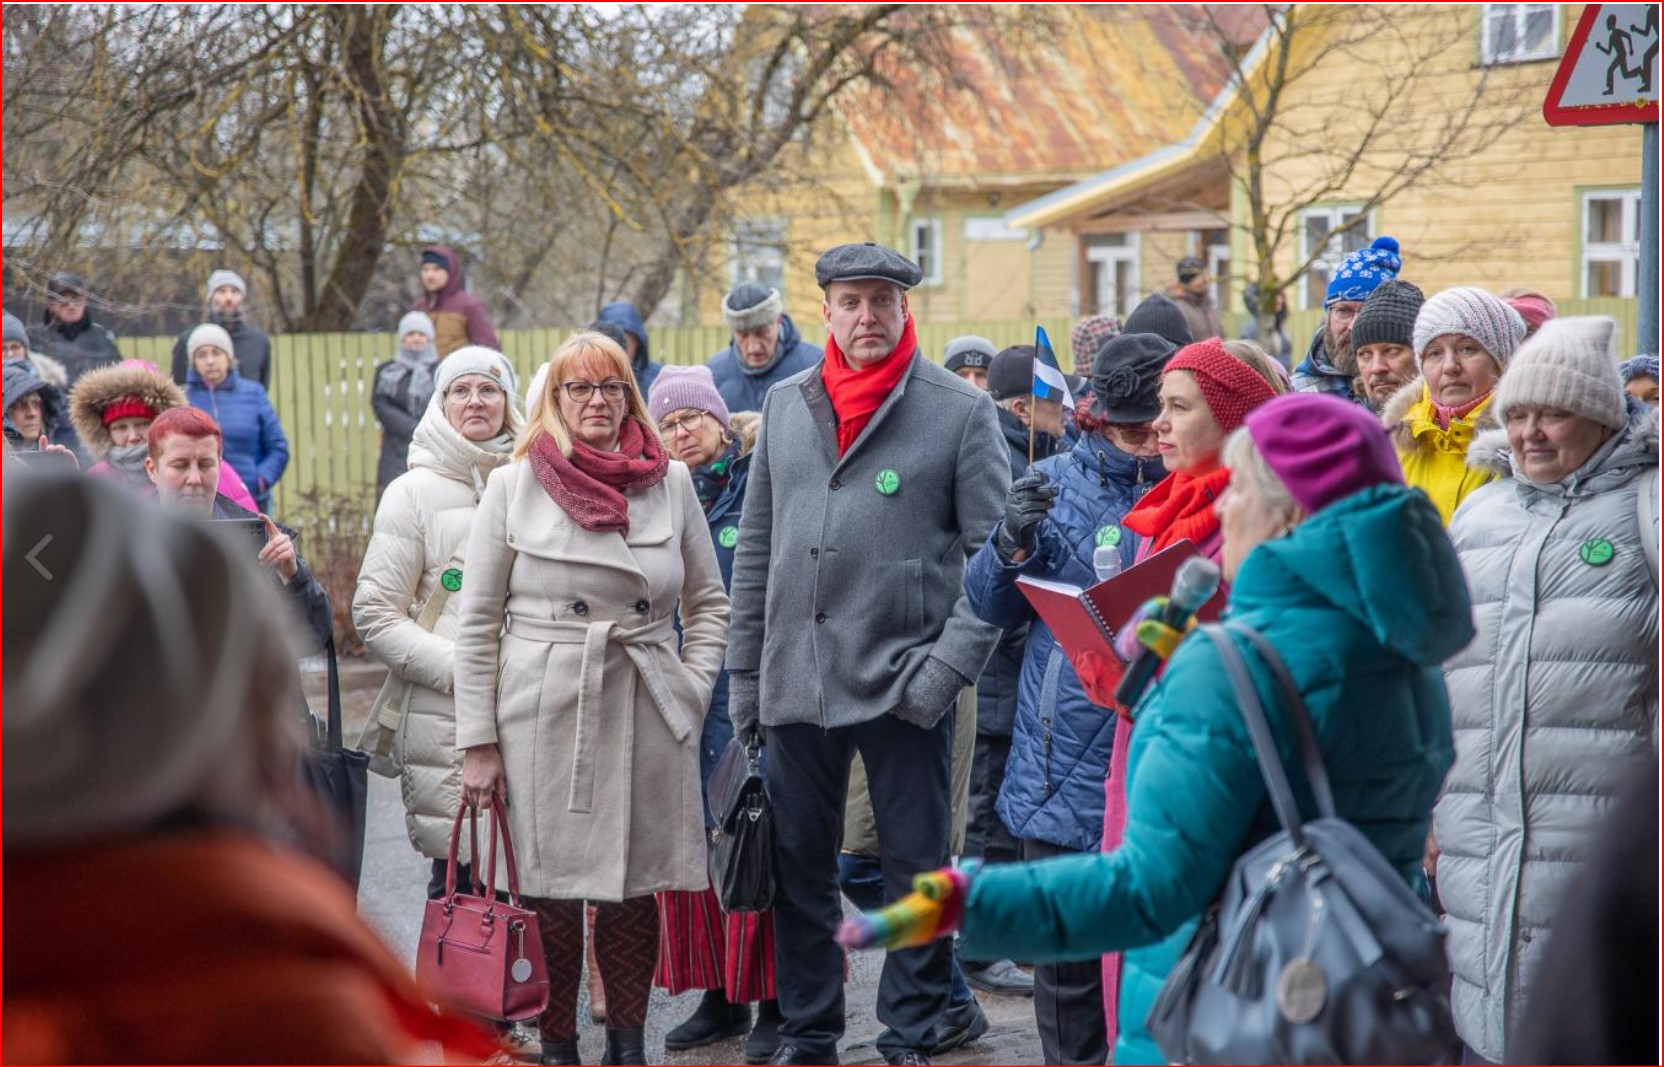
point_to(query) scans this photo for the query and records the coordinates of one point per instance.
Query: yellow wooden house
(1525, 204)
(934, 170)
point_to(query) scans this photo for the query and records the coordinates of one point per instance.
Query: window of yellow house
(1611, 242)
(1111, 274)
(1216, 252)
(927, 249)
(760, 253)
(1516, 33)
(1324, 231)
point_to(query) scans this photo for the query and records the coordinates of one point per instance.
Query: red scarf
(856, 394)
(1180, 507)
(590, 485)
(1446, 416)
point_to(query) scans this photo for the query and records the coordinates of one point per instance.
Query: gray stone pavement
(393, 890)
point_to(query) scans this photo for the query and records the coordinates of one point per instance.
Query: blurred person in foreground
(158, 908)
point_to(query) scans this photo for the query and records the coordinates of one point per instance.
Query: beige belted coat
(566, 657)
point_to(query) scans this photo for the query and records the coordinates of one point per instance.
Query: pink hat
(686, 387)
(1534, 309)
(1323, 448)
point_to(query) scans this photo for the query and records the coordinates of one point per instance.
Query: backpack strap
(1646, 515)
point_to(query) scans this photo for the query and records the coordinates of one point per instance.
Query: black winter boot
(765, 1036)
(624, 1046)
(714, 1020)
(560, 1052)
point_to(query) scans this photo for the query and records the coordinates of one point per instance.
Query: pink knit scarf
(590, 485)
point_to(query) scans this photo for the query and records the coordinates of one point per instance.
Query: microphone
(1194, 584)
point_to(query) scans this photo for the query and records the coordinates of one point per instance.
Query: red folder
(1085, 621)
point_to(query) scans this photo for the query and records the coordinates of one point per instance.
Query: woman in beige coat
(573, 702)
(415, 563)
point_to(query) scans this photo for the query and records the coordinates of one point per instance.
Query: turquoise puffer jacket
(1365, 600)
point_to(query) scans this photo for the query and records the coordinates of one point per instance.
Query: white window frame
(1129, 253)
(1337, 216)
(991, 228)
(1626, 252)
(1519, 14)
(1214, 255)
(924, 239)
(757, 249)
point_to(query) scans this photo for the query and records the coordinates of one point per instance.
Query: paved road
(392, 893)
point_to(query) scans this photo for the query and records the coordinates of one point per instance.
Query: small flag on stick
(1049, 382)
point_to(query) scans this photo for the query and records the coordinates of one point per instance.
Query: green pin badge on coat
(451, 579)
(887, 482)
(1107, 536)
(728, 536)
(1596, 552)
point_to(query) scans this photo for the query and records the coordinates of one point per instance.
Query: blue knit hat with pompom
(1362, 271)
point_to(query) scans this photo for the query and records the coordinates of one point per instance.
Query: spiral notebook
(1085, 621)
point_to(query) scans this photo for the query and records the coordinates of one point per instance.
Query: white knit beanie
(476, 359)
(1470, 312)
(208, 334)
(223, 277)
(1569, 364)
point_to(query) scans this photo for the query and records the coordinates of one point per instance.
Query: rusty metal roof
(1086, 89)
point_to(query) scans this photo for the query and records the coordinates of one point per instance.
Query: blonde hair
(585, 348)
(1260, 362)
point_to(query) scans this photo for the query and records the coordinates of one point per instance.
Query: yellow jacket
(1434, 458)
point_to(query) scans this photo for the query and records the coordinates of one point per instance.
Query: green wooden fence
(321, 382)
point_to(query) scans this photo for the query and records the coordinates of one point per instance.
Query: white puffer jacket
(424, 517)
(1554, 703)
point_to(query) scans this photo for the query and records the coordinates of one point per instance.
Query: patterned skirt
(701, 948)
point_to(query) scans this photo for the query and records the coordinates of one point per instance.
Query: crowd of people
(1444, 518)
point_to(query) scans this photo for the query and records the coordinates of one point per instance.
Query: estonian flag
(1049, 383)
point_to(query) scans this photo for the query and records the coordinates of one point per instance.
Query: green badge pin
(451, 579)
(1107, 535)
(887, 482)
(728, 536)
(1597, 552)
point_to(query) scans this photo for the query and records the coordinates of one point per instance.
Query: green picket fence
(321, 382)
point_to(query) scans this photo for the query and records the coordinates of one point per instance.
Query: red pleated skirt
(701, 948)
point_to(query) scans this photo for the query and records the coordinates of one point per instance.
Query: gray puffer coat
(1554, 704)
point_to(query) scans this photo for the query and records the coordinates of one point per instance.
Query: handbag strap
(499, 826)
(335, 741)
(1259, 733)
(428, 617)
(1311, 756)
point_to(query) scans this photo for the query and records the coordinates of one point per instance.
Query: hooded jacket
(1060, 740)
(20, 382)
(423, 519)
(625, 316)
(78, 346)
(459, 318)
(1365, 600)
(1555, 705)
(254, 440)
(1435, 459)
(251, 350)
(1316, 374)
(743, 387)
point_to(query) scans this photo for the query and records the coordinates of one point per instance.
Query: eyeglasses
(612, 392)
(486, 394)
(689, 422)
(1132, 435)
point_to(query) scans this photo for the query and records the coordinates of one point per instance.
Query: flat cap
(867, 261)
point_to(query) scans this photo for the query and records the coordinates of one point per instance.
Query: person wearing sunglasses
(1052, 799)
(577, 702)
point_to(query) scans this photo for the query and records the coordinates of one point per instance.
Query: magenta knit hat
(686, 387)
(1230, 387)
(1323, 448)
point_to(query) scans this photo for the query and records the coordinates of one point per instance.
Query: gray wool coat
(842, 590)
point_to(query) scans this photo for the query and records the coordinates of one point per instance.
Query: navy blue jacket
(724, 521)
(743, 391)
(255, 444)
(1060, 742)
(625, 316)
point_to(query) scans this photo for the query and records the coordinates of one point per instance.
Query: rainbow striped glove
(934, 909)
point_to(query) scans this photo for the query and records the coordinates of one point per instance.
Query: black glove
(1026, 503)
(744, 703)
(933, 689)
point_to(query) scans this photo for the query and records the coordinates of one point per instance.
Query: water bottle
(1106, 562)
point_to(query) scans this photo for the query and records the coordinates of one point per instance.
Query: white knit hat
(1569, 364)
(476, 359)
(208, 334)
(223, 277)
(1470, 312)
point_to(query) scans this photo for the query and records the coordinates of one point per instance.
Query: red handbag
(479, 954)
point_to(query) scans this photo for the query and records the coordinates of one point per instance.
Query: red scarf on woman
(590, 485)
(856, 394)
(1446, 416)
(1180, 507)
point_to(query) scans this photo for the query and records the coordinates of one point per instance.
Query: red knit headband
(127, 407)
(1231, 388)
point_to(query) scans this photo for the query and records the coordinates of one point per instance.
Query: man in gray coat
(875, 474)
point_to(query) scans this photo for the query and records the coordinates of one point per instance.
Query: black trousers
(436, 879)
(808, 779)
(1068, 997)
(986, 836)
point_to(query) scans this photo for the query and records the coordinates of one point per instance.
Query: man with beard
(252, 349)
(1330, 365)
(1382, 342)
